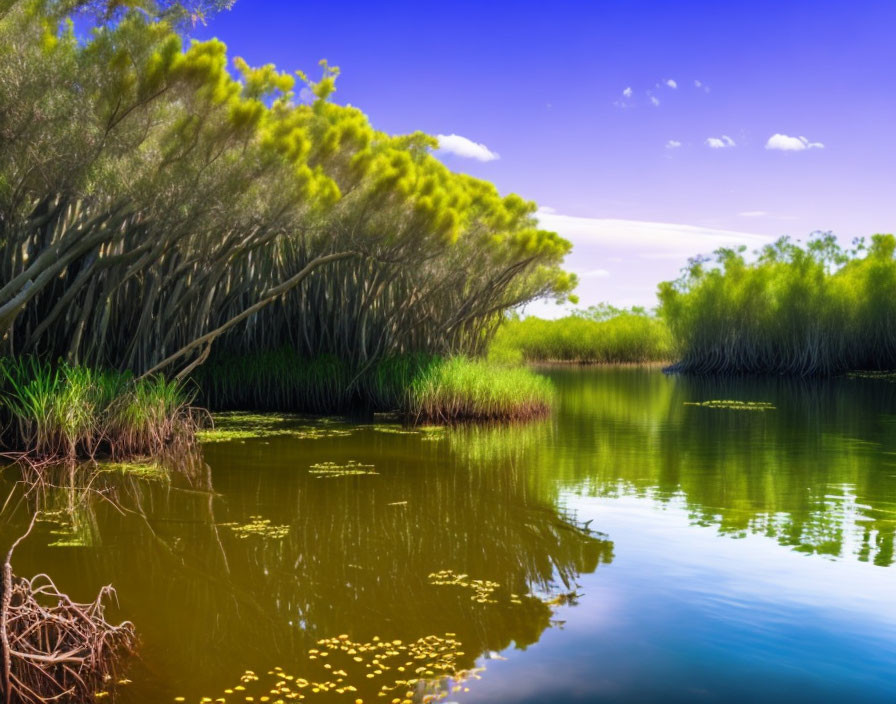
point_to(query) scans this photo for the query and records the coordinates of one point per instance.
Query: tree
(152, 203)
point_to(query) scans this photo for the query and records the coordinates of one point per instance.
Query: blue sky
(642, 128)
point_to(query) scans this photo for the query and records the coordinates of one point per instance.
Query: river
(636, 546)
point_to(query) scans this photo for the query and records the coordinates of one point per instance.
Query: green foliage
(153, 203)
(463, 389)
(421, 388)
(601, 334)
(806, 310)
(68, 412)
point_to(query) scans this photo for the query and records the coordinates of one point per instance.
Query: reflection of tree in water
(817, 473)
(356, 559)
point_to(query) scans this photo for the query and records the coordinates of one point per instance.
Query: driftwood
(52, 647)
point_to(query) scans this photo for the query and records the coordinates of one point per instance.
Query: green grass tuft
(464, 389)
(67, 412)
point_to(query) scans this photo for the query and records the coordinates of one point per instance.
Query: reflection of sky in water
(683, 614)
(735, 556)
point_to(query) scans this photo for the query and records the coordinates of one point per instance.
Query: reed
(67, 412)
(805, 310)
(600, 334)
(421, 387)
(275, 380)
(464, 389)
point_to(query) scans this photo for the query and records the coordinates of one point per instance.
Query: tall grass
(804, 310)
(275, 380)
(601, 334)
(463, 389)
(66, 412)
(420, 387)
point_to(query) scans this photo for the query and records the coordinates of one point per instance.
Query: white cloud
(636, 254)
(673, 144)
(627, 92)
(671, 83)
(593, 274)
(784, 143)
(723, 142)
(466, 148)
(698, 84)
(654, 101)
(642, 239)
(765, 214)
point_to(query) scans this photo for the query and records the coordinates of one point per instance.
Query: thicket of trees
(153, 202)
(816, 309)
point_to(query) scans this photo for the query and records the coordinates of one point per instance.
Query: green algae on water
(243, 426)
(394, 429)
(247, 426)
(886, 375)
(734, 405)
(349, 469)
(311, 433)
(257, 527)
(143, 469)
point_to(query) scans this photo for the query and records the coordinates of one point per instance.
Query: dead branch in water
(53, 647)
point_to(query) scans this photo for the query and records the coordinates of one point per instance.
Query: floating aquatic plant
(319, 433)
(258, 526)
(422, 670)
(889, 375)
(349, 469)
(144, 469)
(734, 405)
(246, 426)
(483, 589)
(394, 429)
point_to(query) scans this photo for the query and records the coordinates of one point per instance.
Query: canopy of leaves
(156, 196)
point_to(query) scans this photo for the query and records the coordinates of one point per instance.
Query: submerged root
(54, 648)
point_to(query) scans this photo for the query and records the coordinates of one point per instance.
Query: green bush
(805, 310)
(464, 389)
(601, 334)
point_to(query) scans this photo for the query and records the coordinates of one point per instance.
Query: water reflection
(256, 552)
(252, 557)
(817, 474)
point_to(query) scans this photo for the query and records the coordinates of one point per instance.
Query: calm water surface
(632, 548)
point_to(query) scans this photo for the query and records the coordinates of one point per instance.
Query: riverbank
(70, 412)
